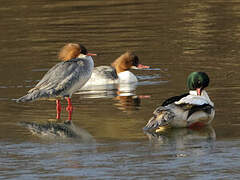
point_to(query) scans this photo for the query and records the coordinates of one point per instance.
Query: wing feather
(207, 108)
(105, 72)
(60, 76)
(174, 99)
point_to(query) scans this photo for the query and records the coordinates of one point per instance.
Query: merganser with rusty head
(65, 78)
(118, 72)
(193, 109)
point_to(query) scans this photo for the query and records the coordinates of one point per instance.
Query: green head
(197, 81)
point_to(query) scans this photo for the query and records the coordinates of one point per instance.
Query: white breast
(127, 77)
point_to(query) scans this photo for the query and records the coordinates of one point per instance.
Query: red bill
(141, 66)
(91, 54)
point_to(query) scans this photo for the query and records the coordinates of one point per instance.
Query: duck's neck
(194, 92)
(119, 65)
(119, 69)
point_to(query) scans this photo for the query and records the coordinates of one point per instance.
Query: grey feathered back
(105, 72)
(60, 80)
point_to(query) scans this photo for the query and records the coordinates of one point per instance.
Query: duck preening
(65, 78)
(118, 72)
(191, 109)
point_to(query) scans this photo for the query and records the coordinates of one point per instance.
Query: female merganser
(65, 78)
(192, 109)
(118, 72)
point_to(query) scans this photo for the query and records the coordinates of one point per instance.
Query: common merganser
(118, 72)
(193, 109)
(65, 78)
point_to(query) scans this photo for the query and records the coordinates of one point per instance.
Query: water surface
(173, 37)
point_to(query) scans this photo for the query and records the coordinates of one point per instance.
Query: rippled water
(173, 37)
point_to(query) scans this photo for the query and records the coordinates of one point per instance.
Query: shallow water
(173, 37)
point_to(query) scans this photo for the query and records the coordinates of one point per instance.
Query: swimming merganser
(65, 78)
(192, 109)
(118, 72)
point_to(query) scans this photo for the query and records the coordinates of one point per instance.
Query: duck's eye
(135, 61)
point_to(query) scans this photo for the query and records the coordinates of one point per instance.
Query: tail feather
(25, 98)
(33, 96)
(161, 117)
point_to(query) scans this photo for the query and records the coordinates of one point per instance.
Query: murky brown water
(176, 36)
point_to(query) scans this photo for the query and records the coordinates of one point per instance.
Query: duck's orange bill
(199, 91)
(91, 54)
(141, 66)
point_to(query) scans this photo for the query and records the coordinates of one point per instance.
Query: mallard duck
(191, 109)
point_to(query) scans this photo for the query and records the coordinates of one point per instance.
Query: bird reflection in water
(182, 138)
(123, 93)
(58, 130)
(127, 99)
(128, 102)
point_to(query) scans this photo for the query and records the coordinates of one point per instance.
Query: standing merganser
(192, 109)
(118, 72)
(65, 78)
